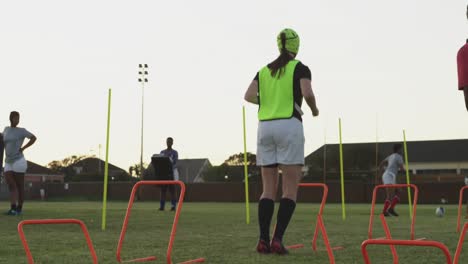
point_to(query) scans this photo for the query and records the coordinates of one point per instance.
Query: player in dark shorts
(174, 157)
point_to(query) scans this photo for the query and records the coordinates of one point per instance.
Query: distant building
(237, 173)
(439, 158)
(192, 170)
(38, 173)
(93, 169)
(35, 174)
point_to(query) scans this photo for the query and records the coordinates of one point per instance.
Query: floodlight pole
(143, 74)
(99, 159)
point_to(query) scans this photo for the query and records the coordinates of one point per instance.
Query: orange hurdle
(388, 235)
(374, 198)
(54, 221)
(460, 205)
(174, 225)
(382, 217)
(439, 245)
(392, 242)
(319, 226)
(460, 244)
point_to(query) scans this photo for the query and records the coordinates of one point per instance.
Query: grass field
(216, 231)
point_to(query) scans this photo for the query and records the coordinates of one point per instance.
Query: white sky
(382, 66)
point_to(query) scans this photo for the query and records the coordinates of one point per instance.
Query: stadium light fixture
(142, 79)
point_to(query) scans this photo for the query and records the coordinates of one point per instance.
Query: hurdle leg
(460, 206)
(314, 240)
(388, 235)
(331, 258)
(460, 244)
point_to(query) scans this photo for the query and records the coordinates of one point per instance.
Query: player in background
(174, 157)
(392, 165)
(15, 162)
(462, 66)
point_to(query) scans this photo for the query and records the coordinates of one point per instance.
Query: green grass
(216, 231)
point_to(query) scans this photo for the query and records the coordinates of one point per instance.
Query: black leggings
(171, 192)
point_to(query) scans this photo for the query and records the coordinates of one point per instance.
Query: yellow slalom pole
(410, 207)
(343, 206)
(246, 172)
(106, 165)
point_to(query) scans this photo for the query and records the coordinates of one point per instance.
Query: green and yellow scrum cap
(291, 40)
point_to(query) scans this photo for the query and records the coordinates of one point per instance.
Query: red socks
(395, 200)
(386, 205)
(391, 204)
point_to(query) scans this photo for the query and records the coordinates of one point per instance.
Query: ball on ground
(440, 211)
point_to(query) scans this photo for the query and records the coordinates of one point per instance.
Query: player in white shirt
(392, 165)
(15, 162)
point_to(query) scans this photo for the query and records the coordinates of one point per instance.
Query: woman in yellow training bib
(278, 89)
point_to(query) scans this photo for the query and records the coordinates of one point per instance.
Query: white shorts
(19, 166)
(280, 142)
(176, 174)
(389, 178)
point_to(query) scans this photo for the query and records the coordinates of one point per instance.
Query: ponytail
(277, 66)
